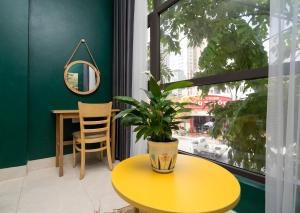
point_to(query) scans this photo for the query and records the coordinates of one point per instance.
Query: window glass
(150, 5)
(228, 124)
(201, 38)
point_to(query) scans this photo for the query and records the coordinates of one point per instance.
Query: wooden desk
(61, 115)
(196, 185)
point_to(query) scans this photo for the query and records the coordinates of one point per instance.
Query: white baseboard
(22, 171)
(46, 163)
(40, 164)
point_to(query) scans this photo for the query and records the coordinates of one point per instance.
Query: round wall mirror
(81, 77)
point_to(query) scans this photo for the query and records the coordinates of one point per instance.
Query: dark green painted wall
(31, 77)
(252, 197)
(13, 78)
(55, 28)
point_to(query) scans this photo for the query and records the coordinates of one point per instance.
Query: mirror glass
(82, 77)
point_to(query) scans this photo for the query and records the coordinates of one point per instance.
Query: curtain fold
(139, 66)
(283, 115)
(122, 67)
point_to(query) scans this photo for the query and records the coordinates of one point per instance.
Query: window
(222, 47)
(228, 126)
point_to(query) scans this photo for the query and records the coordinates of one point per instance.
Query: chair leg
(101, 152)
(74, 154)
(82, 163)
(108, 155)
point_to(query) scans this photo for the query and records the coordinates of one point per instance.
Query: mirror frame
(72, 88)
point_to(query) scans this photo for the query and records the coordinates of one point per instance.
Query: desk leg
(57, 140)
(61, 145)
(113, 139)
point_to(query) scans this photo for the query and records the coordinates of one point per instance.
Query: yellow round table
(196, 185)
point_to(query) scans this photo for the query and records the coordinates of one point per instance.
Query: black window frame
(251, 74)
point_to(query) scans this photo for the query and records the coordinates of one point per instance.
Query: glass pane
(228, 124)
(201, 38)
(150, 5)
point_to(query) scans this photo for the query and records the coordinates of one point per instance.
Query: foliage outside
(233, 35)
(154, 120)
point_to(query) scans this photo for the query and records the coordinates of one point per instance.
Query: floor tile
(43, 191)
(9, 195)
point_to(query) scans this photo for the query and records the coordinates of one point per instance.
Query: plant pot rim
(175, 140)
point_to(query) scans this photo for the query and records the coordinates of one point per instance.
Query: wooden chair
(94, 129)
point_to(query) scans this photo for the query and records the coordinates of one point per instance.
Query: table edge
(150, 209)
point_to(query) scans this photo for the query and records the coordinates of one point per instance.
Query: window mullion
(229, 77)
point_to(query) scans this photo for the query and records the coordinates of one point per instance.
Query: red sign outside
(202, 102)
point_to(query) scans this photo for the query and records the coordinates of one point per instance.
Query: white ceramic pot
(163, 155)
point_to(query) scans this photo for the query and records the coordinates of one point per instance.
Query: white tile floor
(43, 191)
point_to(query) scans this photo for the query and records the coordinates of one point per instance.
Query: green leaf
(148, 93)
(148, 132)
(167, 119)
(184, 117)
(178, 85)
(184, 110)
(187, 103)
(123, 113)
(144, 104)
(170, 110)
(140, 133)
(127, 100)
(154, 88)
(157, 130)
(131, 120)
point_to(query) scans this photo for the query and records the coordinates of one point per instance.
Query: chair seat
(77, 135)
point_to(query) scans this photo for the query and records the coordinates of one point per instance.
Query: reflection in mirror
(82, 77)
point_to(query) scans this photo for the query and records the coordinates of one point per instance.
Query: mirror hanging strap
(75, 50)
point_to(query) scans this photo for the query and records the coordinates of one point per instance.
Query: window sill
(235, 170)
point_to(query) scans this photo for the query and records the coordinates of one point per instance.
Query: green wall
(252, 197)
(35, 43)
(55, 28)
(13, 78)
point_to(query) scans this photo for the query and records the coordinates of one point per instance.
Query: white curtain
(283, 116)
(139, 66)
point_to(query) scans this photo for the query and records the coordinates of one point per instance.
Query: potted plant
(154, 120)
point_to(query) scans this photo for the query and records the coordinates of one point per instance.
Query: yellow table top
(196, 185)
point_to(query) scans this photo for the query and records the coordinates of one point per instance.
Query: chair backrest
(94, 120)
